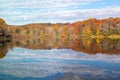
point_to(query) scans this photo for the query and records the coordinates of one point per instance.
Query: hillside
(94, 28)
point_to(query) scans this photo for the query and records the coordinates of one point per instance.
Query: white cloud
(46, 3)
(61, 15)
(27, 11)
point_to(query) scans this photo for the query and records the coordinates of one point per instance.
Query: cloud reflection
(66, 54)
(24, 63)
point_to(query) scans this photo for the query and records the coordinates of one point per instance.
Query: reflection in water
(89, 46)
(48, 59)
(3, 47)
(92, 46)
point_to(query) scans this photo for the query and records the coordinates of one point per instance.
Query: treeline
(94, 26)
(89, 27)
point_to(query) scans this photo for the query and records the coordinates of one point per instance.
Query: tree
(86, 31)
(56, 29)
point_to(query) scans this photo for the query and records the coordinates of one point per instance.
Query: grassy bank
(114, 36)
(102, 36)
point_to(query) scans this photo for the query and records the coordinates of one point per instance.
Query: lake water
(37, 59)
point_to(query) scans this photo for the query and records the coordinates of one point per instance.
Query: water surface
(62, 60)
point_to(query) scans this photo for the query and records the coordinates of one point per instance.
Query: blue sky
(18, 12)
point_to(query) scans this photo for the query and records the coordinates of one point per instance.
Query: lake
(38, 59)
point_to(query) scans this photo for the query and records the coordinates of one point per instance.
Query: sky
(19, 12)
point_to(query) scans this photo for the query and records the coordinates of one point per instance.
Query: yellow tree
(41, 33)
(65, 31)
(98, 32)
(86, 31)
(56, 29)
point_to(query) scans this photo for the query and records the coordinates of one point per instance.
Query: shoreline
(101, 36)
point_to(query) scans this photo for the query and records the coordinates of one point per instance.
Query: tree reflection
(3, 49)
(89, 46)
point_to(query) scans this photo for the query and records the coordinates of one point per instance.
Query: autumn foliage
(86, 28)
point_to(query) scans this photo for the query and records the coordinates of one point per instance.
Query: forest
(90, 28)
